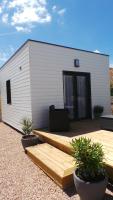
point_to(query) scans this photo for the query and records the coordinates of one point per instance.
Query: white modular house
(40, 74)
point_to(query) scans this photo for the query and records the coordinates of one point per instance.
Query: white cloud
(8, 33)
(54, 8)
(0, 9)
(58, 11)
(44, 2)
(5, 18)
(25, 14)
(11, 49)
(23, 29)
(4, 55)
(62, 12)
(97, 51)
(111, 65)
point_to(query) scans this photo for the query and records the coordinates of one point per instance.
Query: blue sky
(81, 24)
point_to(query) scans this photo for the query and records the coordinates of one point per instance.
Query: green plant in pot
(98, 110)
(90, 176)
(28, 139)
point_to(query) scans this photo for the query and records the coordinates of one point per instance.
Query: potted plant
(28, 139)
(90, 176)
(98, 110)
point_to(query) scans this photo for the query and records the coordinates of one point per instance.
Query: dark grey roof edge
(30, 40)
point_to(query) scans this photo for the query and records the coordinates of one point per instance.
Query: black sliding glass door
(77, 94)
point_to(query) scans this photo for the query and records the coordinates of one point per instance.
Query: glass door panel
(77, 95)
(69, 95)
(81, 96)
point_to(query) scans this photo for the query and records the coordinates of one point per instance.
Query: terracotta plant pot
(90, 191)
(29, 140)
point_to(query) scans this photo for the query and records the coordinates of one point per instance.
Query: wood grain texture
(58, 141)
(58, 165)
(62, 142)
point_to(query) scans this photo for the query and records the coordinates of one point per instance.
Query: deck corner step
(58, 165)
(55, 140)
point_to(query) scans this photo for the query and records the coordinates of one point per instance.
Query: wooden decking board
(46, 169)
(58, 158)
(49, 162)
(58, 153)
(63, 143)
(56, 140)
(61, 163)
(90, 129)
(56, 162)
(60, 169)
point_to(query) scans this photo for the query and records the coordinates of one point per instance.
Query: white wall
(40, 82)
(47, 63)
(20, 88)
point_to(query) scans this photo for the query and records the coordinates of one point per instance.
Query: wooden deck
(89, 129)
(58, 141)
(54, 155)
(58, 165)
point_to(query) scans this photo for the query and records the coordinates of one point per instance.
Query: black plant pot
(29, 140)
(90, 191)
(97, 115)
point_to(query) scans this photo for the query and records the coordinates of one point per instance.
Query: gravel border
(21, 179)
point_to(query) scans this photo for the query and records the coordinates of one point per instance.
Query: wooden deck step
(58, 165)
(62, 142)
(58, 141)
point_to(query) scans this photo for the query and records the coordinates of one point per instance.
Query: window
(8, 90)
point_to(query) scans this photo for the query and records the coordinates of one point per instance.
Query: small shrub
(98, 110)
(26, 126)
(89, 159)
(111, 88)
(111, 91)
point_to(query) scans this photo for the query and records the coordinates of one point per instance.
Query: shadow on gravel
(108, 197)
(110, 188)
(71, 191)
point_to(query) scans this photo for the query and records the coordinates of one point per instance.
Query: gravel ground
(20, 179)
